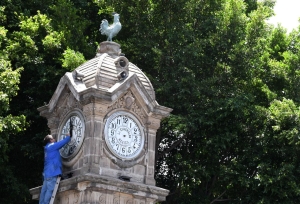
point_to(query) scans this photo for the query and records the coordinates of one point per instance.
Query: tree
(10, 124)
(212, 64)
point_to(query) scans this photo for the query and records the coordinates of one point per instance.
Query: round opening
(123, 75)
(122, 63)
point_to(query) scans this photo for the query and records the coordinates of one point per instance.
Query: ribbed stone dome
(102, 71)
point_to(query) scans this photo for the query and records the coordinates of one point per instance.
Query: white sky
(287, 13)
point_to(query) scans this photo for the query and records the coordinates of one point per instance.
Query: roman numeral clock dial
(75, 122)
(124, 135)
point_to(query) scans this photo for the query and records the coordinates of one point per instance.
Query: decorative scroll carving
(102, 199)
(118, 104)
(128, 101)
(129, 202)
(116, 200)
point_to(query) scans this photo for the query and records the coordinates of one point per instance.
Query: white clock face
(72, 148)
(124, 135)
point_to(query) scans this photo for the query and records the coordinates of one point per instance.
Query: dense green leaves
(72, 59)
(10, 124)
(232, 80)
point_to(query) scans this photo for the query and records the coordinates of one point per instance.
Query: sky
(287, 14)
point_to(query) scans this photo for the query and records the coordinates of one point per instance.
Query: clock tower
(111, 104)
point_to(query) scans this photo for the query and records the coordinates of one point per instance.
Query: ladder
(55, 190)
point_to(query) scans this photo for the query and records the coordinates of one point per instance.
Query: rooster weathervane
(111, 30)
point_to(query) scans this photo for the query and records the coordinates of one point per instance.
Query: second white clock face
(124, 135)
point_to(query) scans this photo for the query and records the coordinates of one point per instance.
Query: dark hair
(47, 139)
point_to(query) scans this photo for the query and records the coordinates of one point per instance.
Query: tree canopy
(232, 80)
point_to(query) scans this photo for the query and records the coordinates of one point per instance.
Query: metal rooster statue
(111, 30)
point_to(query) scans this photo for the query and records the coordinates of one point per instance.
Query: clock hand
(71, 128)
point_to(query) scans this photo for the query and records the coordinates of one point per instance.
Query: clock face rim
(141, 129)
(73, 139)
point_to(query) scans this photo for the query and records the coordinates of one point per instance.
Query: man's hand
(68, 134)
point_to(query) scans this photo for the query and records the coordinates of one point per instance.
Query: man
(52, 166)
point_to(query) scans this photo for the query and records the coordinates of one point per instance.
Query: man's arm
(60, 144)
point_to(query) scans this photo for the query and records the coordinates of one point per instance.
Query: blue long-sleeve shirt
(52, 164)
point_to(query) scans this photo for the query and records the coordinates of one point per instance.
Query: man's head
(48, 139)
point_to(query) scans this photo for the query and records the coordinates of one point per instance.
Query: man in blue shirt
(52, 166)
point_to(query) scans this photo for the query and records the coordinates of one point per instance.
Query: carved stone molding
(116, 200)
(129, 202)
(102, 199)
(128, 101)
(89, 188)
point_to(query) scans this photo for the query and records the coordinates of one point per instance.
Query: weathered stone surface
(92, 188)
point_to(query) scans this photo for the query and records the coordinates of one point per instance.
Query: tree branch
(173, 146)
(217, 199)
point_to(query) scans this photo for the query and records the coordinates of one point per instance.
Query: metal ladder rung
(55, 190)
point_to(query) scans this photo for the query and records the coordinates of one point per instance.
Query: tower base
(95, 189)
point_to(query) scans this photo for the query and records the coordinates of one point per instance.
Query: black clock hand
(71, 128)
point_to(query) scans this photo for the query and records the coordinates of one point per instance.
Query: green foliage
(8, 88)
(218, 64)
(72, 59)
(9, 125)
(279, 166)
(9, 81)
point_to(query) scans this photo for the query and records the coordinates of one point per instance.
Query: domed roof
(109, 67)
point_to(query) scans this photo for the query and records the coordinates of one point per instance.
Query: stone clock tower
(112, 106)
